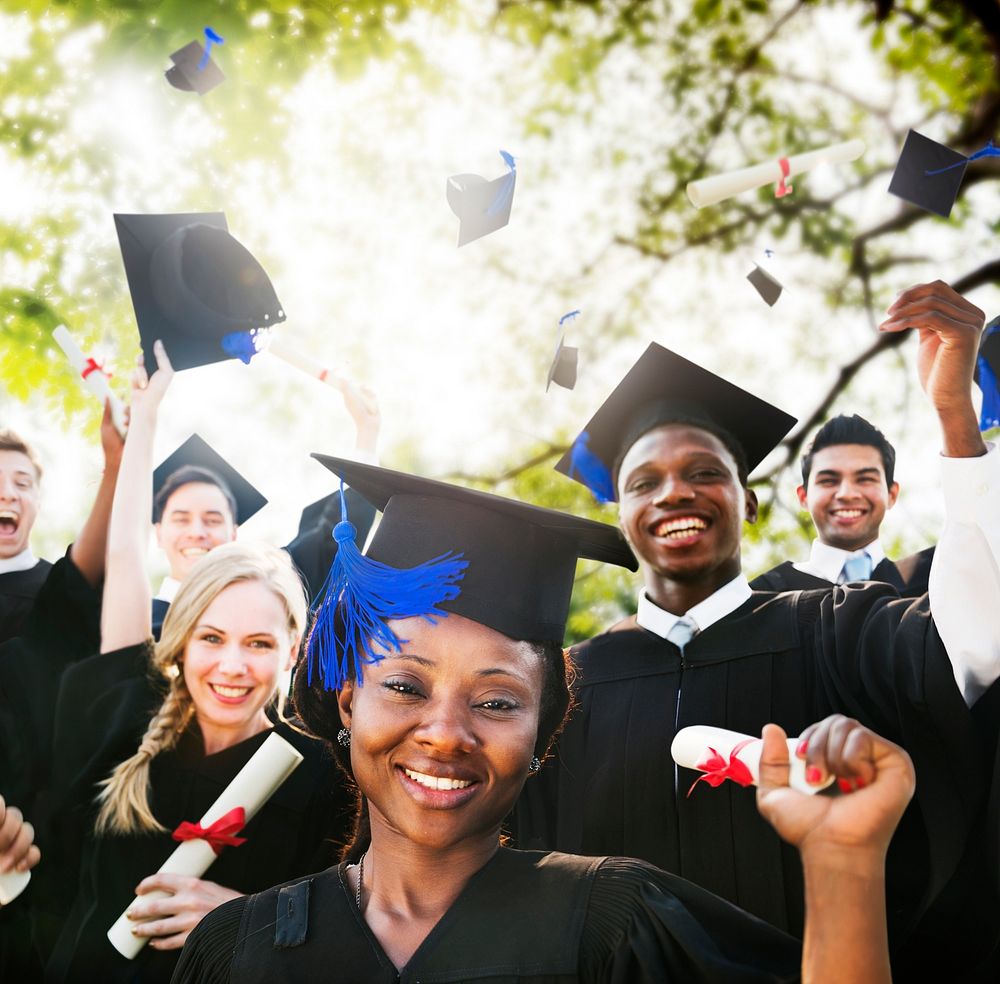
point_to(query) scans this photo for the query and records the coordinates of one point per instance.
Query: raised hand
(876, 777)
(148, 391)
(171, 919)
(18, 852)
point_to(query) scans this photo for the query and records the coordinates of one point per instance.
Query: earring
(344, 737)
(534, 765)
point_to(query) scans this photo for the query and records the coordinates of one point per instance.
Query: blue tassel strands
(988, 151)
(592, 471)
(503, 196)
(242, 345)
(989, 415)
(361, 595)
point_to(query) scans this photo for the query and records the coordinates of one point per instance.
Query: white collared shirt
(715, 607)
(23, 561)
(828, 562)
(168, 590)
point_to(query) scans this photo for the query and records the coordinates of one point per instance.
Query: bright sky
(360, 244)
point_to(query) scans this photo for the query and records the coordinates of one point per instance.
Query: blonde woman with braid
(148, 735)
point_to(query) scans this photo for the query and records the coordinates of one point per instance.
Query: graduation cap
(440, 548)
(928, 174)
(987, 374)
(660, 386)
(482, 206)
(194, 287)
(562, 372)
(193, 69)
(196, 454)
(766, 284)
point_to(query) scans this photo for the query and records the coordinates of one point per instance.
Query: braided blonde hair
(124, 796)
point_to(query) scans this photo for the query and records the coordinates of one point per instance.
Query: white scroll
(12, 884)
(693, 747)
(251, 788)
(311, 367)
(710, 191)
(92, 376)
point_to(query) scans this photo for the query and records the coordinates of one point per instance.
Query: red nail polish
(813, 774)
(845, 786)
(800, 749)
(860, 783)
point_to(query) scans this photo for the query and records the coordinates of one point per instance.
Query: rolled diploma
(709, 191)
(96, 381)
(310, 366)
(691, 745)
(12, 884)
(251, 788)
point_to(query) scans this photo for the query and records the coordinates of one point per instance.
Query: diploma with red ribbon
(201, 842)
(219, 834)
(93, 374)
(720, 755)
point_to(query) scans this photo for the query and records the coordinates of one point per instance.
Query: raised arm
(89, 548)
(842, 840)
(965, 574)
(126, 616)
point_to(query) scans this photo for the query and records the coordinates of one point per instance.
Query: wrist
(960, 436)
(844, 862)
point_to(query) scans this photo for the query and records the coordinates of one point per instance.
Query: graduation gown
(610, 786)
(86, 881)
(523, 917)
(18, 590)
(909, 576)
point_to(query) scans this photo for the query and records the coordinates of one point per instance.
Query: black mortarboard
(193, 286)
(521, 559)
(198, 454)
(765, 284)
(562, 372)
(190, 74)
(658, 386)
(931, 192)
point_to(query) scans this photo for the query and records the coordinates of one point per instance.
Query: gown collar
(23, 561)
(706, 613)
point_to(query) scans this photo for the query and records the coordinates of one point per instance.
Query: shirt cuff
(970, 485)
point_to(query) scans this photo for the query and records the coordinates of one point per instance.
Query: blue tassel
(361, 595)
(210, 38)
(241, 345)
(989, 416)
(568, 316)
(988, 151)
(506, 191)
(592, 471)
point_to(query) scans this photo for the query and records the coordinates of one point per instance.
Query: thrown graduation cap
(193, 69)
(766, 284)
(195, 452)
(987, 376)
(482, 206)
(928, 174)
(440, 548)
(194, 287)
(662, 386)
(562, 372)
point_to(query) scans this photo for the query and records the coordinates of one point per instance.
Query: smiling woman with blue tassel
(465, 685)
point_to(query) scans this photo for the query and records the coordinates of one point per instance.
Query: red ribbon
(92, 365)
(323, 373)
(219, 834)
(717, 770)
(783, 188)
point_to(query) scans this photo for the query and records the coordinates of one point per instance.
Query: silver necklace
(361, 875)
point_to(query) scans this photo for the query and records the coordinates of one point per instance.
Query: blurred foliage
(720, 78)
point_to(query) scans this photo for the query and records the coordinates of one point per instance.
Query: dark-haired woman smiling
(452, 717)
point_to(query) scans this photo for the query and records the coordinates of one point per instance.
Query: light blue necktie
(858, 568)
(682, 632)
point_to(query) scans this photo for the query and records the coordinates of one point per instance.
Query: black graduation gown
(62, 625)
(85, 881)
(523, 917)
(314, 548)
(18, 590)
(909, 576)
(792, 659)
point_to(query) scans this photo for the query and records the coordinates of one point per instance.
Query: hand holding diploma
(92, 376)
(325, 374)
(18, 852)
(250, 789)
(711, 191)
